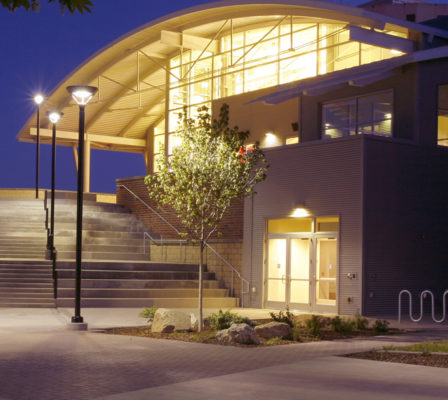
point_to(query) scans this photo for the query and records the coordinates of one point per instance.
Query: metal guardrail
(163, 242)
(422, 296)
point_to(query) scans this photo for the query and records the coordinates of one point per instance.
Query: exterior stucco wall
(327, 177)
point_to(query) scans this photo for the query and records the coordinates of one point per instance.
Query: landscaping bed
(301, 329)
(430, 354)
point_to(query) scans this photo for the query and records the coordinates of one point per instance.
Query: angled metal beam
(186, 41)
(136, 117)
(159, 64)
(381, 39)
(205, 49)
(259, 41)
(118, 83)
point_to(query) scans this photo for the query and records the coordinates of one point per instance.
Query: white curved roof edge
(312, 4)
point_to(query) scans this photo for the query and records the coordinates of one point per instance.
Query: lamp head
(82, 94)
(54, 116)
(38, 99)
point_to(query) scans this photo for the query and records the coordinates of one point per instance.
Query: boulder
(238, 333)
(274, 329)
(164, 318)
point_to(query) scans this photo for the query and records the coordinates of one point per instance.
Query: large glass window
(370, 114)
(282, 51)
(442, 114)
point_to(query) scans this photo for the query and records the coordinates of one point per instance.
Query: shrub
(314, 325)
(381, 326)
(341, 326)
(296, 333)
(223, 320)
(361, 323)
(149, 313)
(274, 340)
(285, 317)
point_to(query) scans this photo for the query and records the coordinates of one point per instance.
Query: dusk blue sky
(37, 51)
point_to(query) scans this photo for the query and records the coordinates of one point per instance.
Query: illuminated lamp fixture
(38, 99)
(300, 211)
(54, 117)
(394, 51)
(81, 95)
(388, 115)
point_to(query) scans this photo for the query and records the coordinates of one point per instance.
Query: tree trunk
(201, 263)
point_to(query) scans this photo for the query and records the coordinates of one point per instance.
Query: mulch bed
(208, 335)
(429, 360)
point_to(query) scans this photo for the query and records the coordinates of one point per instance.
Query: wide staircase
(116, 270)
(25, 276)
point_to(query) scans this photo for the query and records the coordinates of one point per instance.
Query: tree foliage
(205, 174)
(71, 5)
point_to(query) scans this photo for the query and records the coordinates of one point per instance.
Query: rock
(274, 329)
(238, 333)
(164, 318)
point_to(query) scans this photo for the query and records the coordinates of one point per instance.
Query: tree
(71, 5)
(204, 175)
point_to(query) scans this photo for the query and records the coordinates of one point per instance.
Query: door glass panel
(300, 271)
(300, 292)
(289, 225)
(277, 270)
(300, 259)
(326, 265)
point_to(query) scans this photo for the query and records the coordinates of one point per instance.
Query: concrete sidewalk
(40, 359)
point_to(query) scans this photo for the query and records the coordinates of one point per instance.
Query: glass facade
(370, 114)
(280, 52)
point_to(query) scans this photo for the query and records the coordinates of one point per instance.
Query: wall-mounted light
(300, 211)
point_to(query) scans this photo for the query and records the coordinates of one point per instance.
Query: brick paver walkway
(62, 365)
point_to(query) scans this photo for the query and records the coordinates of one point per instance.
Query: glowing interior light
(393, 51)
(270, 135)
(54, 117)
(388, 115)
(38, 99)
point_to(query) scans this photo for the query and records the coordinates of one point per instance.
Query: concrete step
(26, 290)
(99, 234)
(208, 302)
(90, 247)
(43, 282)
(140, 293)
(138, 284)
(26, 275)
(25, 304)
(129, 266)
(25, 295)
(26, 262)
(20, 283)
(27, 300)
(70, 240)
(23, 255)
(164, 275)
(91, 255)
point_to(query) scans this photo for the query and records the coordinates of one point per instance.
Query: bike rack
(422, 297)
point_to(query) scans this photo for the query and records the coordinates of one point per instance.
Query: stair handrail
(233, 269)
(51, 247)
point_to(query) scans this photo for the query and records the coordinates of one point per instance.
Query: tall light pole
(82, 95)
(54, 117)
(38, 99)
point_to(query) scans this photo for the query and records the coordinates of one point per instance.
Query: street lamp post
(82, 95)
(54, 117)
(38, 99)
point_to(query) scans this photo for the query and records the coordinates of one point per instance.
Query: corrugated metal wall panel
(327, 177)
(406, 222)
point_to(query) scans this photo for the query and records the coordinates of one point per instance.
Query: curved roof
(131, 76)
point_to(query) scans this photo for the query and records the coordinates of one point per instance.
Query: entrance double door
(302, 272)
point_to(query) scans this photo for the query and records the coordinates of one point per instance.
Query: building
(352, 110)
(410, 10)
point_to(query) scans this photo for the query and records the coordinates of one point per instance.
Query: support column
(87, 165)
(75, 157)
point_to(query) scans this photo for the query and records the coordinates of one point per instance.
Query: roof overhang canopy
(131, 73)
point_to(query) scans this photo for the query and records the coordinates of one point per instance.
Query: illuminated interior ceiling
(133, 72)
